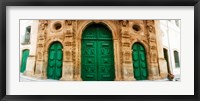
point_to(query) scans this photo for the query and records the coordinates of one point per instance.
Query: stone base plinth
(67, 73)
(163, 68)
(127, 72)
(30, 66)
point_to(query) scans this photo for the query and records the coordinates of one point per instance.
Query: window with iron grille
(176, 58)
(27, 35)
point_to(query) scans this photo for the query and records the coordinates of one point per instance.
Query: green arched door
(97, 55)
(24, 60)
(55, 56)
(139, 62)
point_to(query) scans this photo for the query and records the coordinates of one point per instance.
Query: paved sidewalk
(32, 79)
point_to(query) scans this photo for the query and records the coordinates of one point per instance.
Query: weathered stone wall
(125, 33)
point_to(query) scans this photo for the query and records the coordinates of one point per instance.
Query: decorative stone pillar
(40, 71)
(127, 66)
(153, 51)
(67, 71)
(118, 75)
(161, 59)
(32, 54)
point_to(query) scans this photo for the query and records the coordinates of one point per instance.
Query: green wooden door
(139, 62)
(24, 60)
(55, 56)
(97, 58)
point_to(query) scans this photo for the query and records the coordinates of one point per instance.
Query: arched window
(176, 58)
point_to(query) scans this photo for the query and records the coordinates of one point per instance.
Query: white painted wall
(23, 25)
(171, 41)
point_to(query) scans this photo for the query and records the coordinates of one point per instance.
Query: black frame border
(4, 3)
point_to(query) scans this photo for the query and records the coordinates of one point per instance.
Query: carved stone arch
(108, 24)
(49, 42)
(112, 28)
(143, 43)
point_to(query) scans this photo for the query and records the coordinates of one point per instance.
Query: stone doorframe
(112, 27)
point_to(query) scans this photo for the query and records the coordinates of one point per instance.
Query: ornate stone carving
(125, 34)
(126, 44)
(74, 48)
(150, 22)
(69, 32)
(153, 51)
(127, 55)
(124, 23)
(43, 24)
(69, 22)
(152, 41)
(41, 39)
(40, 55)
(68, 54)
(68, 41)
(150, 28)
(152, 37)
(153, 54)
(70, 38)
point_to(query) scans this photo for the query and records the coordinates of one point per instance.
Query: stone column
(153, 51)
(117, 60)
(32, 54)
(161, 60)
(68, 70)
(40, 71)
(127, 66)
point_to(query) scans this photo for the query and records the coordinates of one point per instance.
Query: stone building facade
(96, 50)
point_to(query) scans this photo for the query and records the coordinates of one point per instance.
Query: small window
(136, 27)
(27, 35)
(176, 57)
(57, 26)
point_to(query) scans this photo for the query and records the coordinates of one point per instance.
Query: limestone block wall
(30, 67)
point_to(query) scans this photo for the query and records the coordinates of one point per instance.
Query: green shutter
(24, 60)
